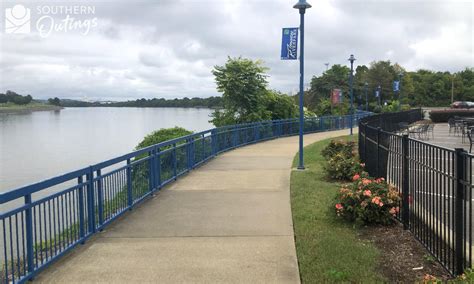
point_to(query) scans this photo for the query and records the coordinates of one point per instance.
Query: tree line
(417, 88)
(12, 97)
(211, 102)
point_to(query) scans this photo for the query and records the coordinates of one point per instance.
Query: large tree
(243, 84)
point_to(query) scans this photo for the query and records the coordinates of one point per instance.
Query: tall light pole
(400, 76)
(302, 5)
(366, 86)
(327, 65)
(351, 79)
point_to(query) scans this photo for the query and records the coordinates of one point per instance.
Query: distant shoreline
(28, 108)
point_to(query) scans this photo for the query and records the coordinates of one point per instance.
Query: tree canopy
(243, 84)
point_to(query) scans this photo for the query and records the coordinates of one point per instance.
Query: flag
(289, 44)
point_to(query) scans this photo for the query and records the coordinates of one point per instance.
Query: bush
(162, 135)
(368, 201)
(338, 146)
(438, 116)
(342, 167)
(341, 159)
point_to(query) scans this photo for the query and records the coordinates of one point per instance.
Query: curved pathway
(227, 221)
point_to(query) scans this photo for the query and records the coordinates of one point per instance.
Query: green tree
(162, 135)
(243, 84)
(55, 102)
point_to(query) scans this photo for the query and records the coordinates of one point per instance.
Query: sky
(119, 50)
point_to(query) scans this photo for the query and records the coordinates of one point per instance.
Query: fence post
(458, 211)
(100, 199)
(378, 152)
(257, 134)
(129, 185)
(214, 141)
(365, 142)
(151, 171)
(29, 234)
(175, 162)
(405, 183)
(90, 199)
(81, 209)
(158, 168)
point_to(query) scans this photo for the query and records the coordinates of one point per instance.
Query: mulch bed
(403, 258)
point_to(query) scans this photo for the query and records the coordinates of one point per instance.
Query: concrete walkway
(227, 221)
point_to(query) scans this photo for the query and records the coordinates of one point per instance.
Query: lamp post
(302, 5)
(351, 79)
(379, 89)
(366, 85)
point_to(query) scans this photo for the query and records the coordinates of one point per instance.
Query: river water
(38, 145)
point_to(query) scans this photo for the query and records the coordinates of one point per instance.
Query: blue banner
(396, 86)
(289, 44)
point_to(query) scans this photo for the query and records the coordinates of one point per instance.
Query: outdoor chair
(419, 131)
(452, 125)
(470, 134)
(430, 129)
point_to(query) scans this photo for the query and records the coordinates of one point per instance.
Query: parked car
(462, 104)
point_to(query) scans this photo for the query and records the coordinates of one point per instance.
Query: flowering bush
(341, 158)
(368, 200)
(342, 168)
(335, 147)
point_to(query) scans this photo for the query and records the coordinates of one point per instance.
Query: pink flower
(339, 206)
(355, 177)
(367, 193)
(393, 211)
(376, 200)
(397, 209)
(381, 204)
(362, 164)
(366, 181)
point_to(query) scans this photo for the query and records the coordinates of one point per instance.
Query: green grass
(328, 249)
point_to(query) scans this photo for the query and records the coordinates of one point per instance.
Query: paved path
(227, 221)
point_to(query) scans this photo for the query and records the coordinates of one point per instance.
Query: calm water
(40, 145)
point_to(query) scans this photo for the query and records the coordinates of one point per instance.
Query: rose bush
(342, 162)
(368, 200)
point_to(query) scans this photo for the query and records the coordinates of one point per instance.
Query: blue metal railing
(51, 217)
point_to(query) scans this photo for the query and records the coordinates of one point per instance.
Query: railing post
(100, 198)
(459, 211)
(81, 210)
(90, 199)
(175, 162)
(129, 185)
(214, 142)
(378, 153)
(150, 171)
(405, 183)
(158, 168)
(256, 132)
(29, 234)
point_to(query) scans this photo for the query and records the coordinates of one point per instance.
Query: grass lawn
(328, 249)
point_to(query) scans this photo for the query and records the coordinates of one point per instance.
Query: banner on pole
(289, 44)
(336, 97)
(396, 86)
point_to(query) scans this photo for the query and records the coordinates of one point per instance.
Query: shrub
(368, 201)
(162, 135)
(338, 146)
(342, 167)
(438, 116)
(341, 158)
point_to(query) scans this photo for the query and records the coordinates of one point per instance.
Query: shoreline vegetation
(30, 107)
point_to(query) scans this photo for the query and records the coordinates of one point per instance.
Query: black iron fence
(435, 184)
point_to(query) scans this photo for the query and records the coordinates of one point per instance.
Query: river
(38, 145)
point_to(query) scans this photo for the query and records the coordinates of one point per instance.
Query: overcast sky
(167, 48)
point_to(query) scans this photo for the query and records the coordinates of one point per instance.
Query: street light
(302, 5)
(351, 79)
(366, 85)
(400, 76)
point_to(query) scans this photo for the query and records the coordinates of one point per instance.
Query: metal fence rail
(49, 218)
(435, 184)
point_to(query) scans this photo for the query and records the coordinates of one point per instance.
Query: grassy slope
(328, 249)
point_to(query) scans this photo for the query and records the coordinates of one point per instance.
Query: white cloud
(168, 48)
